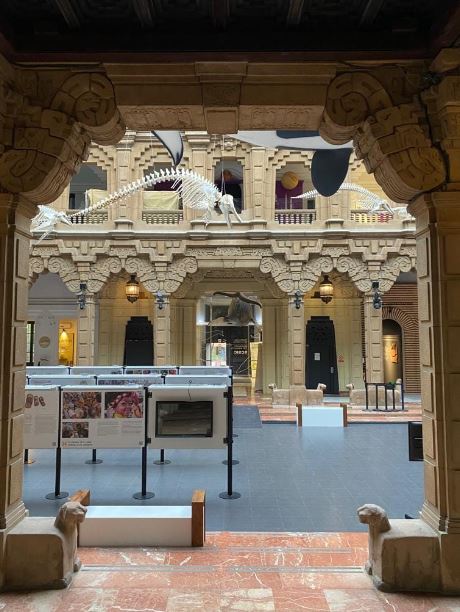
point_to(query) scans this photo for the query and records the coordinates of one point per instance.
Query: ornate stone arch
(411, 349)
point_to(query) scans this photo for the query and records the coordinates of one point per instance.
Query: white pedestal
(137, 526)
(320, 416)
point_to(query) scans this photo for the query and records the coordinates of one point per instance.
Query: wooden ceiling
(104, 30)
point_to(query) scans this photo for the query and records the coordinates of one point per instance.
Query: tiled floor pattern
(233, 572)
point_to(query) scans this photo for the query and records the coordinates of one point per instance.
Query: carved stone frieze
(391, 269)
(357, 270)
(63, 266)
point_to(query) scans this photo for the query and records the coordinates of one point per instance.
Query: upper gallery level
(265, 185)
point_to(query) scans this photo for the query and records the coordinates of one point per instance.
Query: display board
(41, 416)
(158, 370)
(187, 416)
(131, 379)
(103, 417)
(216, 354)
(46, 370)
(96, 370)
(193, 379)
(61, 381)
(206, 370)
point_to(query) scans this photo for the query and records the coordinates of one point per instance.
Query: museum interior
(230, 295)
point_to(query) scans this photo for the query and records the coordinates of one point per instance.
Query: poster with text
(154, 370)
(109, 417)
(41, 417)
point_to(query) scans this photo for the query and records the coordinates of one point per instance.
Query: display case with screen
(183, 419)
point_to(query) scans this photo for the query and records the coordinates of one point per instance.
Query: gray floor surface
(290, 479)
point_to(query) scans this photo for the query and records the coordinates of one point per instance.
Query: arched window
(228, 177)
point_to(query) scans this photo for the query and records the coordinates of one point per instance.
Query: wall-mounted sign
(317, 356)
(44, 342)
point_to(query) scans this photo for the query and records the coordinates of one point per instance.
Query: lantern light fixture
(132, 289)
(297, 299)
(326, 290)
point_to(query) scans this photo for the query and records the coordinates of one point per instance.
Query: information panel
(96, 370)
(46, 370)
(41, 417)
(62, 381)
(194, 379)
(205, 370)
(130, 379)
(158, 370)
(188, 416)
(103, 417)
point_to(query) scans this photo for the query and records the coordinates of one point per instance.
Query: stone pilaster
(86, 340)
(162, 336)
(15, 215)
(124, 175)
(373, 340)
(258, 183)
(438, 268)
(296, 348)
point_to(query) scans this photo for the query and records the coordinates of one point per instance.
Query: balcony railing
(358, 216)
(295, 217)
(93, 218)
(162, 217)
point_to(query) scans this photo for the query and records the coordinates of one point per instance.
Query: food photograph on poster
(81, 405)
(126, 405)
(75, 430)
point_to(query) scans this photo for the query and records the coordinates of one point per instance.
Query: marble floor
(233, 572)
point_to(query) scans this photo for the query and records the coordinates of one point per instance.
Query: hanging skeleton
(197, 193)
(371, 202)
(240, 308)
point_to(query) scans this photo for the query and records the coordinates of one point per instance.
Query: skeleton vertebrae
(196, 192)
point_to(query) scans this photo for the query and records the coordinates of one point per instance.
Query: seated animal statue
(70, 515)
(377, 519)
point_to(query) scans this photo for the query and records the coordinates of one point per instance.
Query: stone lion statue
(378, 522)
(69, 516)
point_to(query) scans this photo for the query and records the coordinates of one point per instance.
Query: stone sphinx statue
(42, 554)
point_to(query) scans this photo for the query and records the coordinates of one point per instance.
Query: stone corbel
(295, 275)
(381, 111)
(64, 266)
(47, 121)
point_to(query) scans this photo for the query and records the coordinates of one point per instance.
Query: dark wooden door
(321, 357)
(138, 342)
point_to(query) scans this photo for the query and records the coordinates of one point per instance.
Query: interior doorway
(138, 342)
(392, 351)
(321, 355)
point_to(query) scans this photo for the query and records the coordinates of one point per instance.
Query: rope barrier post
(229, 493)
(94, 460)
(58, 494)
(162, 460)
(394, 400)
(144, 494)
(376, 397)
(402, 396)
(367, 394)
(386, 397)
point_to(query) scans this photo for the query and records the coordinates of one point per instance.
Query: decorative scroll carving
(389, 127)
(64, 266)
(357, 270)
(177, 271)
(279, 271)
(300, 276)
(391, 269)
(312, 271)
(101, 271)
(47, 122)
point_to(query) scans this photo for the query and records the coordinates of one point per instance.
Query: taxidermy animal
(197, 193)
(240, 308)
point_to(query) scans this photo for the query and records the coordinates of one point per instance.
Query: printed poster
(103, 418)
(41, 417)
(155, 370)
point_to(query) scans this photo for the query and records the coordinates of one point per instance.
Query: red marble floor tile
(225, 581)
(348, 558)
(353, 600)
(125, 556)
(216, 558)
(299, 599)
(411, 602)
(247, 599)
(326, 580)
(192, 600)
(106, 579)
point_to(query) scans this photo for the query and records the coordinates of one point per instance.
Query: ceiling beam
(370, 12)
(220, 13)
(69, 13)
(294, 14)
(145, 10)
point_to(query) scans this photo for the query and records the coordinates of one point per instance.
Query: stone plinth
(358, 397)
(297, 395)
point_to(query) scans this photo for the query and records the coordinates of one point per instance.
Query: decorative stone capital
(47, 120)
(381, 111)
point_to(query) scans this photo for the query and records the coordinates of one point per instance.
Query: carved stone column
(258, 182)
(438, 268)
(373, 340)
(86, 341)
(162, 336)
(15, 215)
(296, 342)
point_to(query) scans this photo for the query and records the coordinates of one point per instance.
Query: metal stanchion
(58, 494)
(94, 460)
(144, 494)
(162, 460)
(229, 493)
(367, 395)
(28, 460)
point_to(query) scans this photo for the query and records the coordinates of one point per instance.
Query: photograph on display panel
(41, 417)
(108, 417)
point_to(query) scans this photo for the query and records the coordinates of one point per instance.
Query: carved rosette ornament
(47, 120)
(382, 111)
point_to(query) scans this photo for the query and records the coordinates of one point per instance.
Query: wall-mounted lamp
(132, 289)
(81, 299)
(326, 290)
(297, 299)
(377, 298)
(161, 302)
